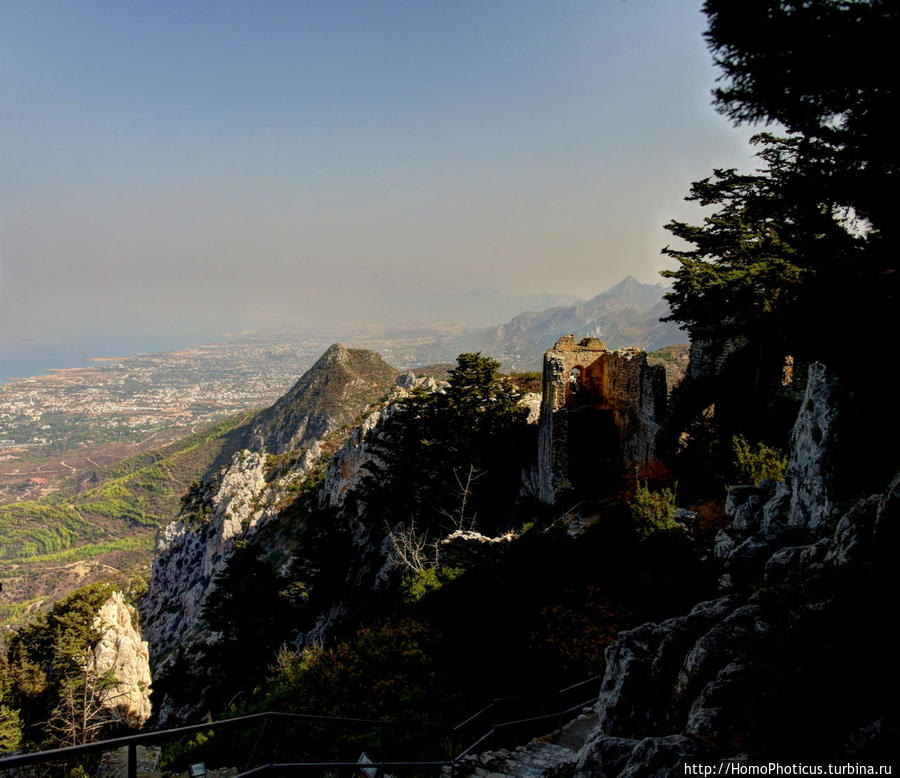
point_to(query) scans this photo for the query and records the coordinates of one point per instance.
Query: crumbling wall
(601, 407)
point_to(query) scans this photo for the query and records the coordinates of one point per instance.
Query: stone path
(551, 756)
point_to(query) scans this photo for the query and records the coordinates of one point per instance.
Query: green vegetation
(798, 258)
(139, 492)
(757, 463)
(45, 682)
(10, 720)
(453, 459)
(418, 583)
(131, 543)
(653, 509)
(811, 232)
(528, 381)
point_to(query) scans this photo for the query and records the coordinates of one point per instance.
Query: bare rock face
(123, 650)
(773, 515)
(191, 550)
(348, 466)
(283, 445)
(532, 401)
(812, 443)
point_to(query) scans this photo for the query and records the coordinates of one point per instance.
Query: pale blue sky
(195, 166)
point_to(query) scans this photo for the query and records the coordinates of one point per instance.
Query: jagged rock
(746, 562)
(188, 558)
(869, 527)
(703, 686)
(532, 401)
(351, 462)
(778, 507)
(326, 396)
(605, 756)
(629, 700)
(467, 548)
(406, 380)
(122, 649)
(652, 757)
(812, 446)
(793, 559)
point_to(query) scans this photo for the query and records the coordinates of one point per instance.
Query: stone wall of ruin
(618, 381)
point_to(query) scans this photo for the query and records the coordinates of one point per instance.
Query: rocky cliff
(330, 394)
(122, 650)
(792, 662)
(788, 664)
(282, 446)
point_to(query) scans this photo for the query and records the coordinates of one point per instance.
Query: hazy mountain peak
(336, 352)
(627, 285)
(332, 392)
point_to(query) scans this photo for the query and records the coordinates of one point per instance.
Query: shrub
(758, 463)
(653, 509)
(418, 584)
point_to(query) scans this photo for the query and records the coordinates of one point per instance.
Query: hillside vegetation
(105, 523)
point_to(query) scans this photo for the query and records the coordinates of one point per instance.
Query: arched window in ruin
(576, 380)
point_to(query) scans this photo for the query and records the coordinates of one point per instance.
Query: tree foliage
(10, 720)
(451, 458)
(48, 676)
(810, 233)
(251, 614)
(824, 70)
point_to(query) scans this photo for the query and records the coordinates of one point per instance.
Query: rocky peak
(122, 649)
(325, 397)
(233, 501)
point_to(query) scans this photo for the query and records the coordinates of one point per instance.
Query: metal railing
(556, 705)
(564, 707)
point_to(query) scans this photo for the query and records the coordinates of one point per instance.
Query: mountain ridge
(626, 314)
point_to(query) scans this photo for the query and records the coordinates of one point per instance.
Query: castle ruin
(601, 411)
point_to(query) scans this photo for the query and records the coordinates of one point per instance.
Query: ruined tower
(600, 414)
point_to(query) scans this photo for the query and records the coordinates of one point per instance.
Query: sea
(32, 357)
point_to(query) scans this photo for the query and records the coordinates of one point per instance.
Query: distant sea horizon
(37, 357)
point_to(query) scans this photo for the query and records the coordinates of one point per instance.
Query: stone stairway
(551, 756)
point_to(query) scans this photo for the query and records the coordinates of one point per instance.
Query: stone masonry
(600, 414)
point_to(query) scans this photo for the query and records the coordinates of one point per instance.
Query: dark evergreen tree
(799, 257)
(252, 615)
(452, 457)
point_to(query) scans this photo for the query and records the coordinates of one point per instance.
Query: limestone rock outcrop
(282, 446)
(789, 662)
(122, 650)
(467, 548)
(196, 546)
(349, 464)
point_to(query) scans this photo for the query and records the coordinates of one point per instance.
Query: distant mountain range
(627, 314)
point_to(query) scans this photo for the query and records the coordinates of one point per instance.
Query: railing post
(132, 760)
(559, 708)
(262, 729)
(493, 725)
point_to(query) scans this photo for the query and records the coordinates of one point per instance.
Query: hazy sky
(202, 165)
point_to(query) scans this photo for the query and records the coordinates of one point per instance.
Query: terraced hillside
(102, 526)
